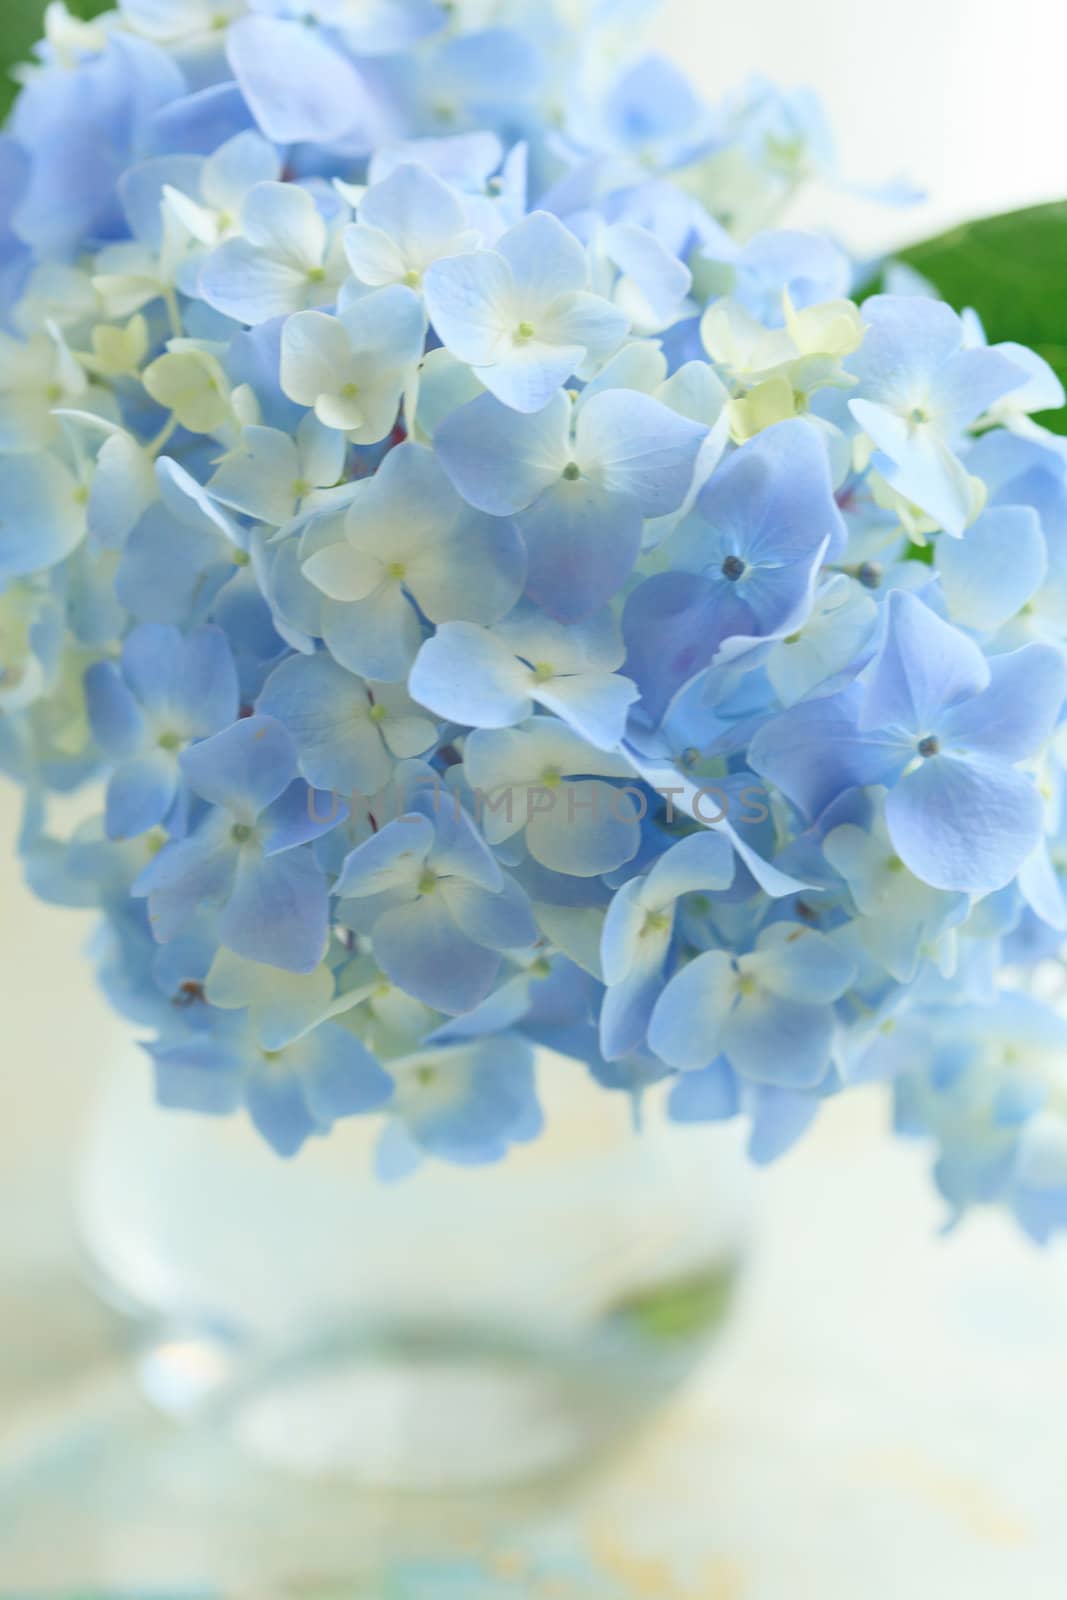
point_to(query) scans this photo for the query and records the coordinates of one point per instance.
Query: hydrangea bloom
(507, 590)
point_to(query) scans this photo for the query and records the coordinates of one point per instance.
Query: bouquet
(501, 589)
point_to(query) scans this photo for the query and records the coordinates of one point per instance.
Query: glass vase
(458, 1329)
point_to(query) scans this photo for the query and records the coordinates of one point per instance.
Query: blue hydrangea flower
(436, 904)
(521, 314)
(275, 478)
(769, 1012)
(543, 781)
(918, 391)
(466, 1103)
(639, 930)
(407, 221)
(508, 595)
(349, 733)
(409, 537)
(283, 260)
(167, 691)
(494, 677)
(585, 478)
(946, 728)
(354, 368)
(746, 563)
(291, 1094)
(245, 858)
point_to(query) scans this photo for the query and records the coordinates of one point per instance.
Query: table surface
(886, 1416)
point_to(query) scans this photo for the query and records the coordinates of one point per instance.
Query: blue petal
(818, 750)
(529, 377)
(197, 1074)
(710, 1095)
(640, 449)
(1015, 716)
(243, 768)
(670, 626)
(595, 704)
(421, 949)
(775, 496)
(582, 543)
(779, 1042)
(298, 87)
(797, 963)
(278, 910)
(378, 637)
(547, 260)
(474, 572)
(990, 574)
(589, 828)
(327, 711)
(341, 1078)
(966, 824)
(170, 573)
(779, 1117)
(114, 715)
(299, 816)
(923, 666)
(388, 860)
(703, 861)
(189, 677)
(500, 921)
(467, 674)
(275, 1100)
(459, 851)
(469, 298)
(140, 794)
(187, 875)
(688, 1021)
(501, 460)
(625, 1014)
(41, 520)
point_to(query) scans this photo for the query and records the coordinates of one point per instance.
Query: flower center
(240, 833)
(395, 570)
(930, 746)
(427, 881)
(169, 741)
(733, 568)
(525, 330)
(572, 472)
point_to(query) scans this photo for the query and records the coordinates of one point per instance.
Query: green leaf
(675, 1312)
(1013, 270)
(22, 26)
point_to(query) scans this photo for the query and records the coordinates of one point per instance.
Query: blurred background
(962, 97)
(888, 1417)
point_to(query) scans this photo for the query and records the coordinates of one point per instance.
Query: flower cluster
(506, 592)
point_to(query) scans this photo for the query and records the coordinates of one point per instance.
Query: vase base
(441, 1410)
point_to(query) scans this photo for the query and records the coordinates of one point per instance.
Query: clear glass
(460, 1328)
